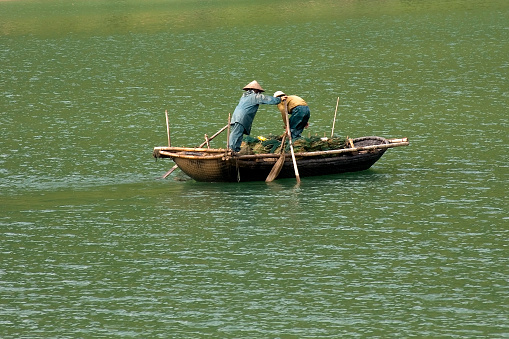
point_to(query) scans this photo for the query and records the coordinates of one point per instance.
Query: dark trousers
(298, 120)
(236, 134)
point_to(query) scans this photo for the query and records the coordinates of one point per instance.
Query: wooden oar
(288, 132)
(274, 172)
(201, 145)
(297, 176)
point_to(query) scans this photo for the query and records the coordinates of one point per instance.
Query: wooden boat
(222, 165)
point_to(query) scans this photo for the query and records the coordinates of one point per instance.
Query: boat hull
(227, 167)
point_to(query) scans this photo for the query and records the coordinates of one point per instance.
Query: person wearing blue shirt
(245, 112)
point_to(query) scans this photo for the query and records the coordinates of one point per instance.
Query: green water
(93, 245)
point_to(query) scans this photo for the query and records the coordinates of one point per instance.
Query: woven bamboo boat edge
(190, 149)
(182, 154)
(224, 154)
(191, 156)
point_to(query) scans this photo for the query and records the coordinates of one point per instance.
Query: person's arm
(265, 99)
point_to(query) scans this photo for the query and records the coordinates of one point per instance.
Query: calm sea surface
(94, 245)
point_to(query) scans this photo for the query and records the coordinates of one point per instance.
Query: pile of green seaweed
(272, 144)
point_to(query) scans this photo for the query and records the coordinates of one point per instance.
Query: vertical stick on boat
(350, 142)
(168, 128)
(334, 121)
(228, 132)
(215, 135)
(207, 140)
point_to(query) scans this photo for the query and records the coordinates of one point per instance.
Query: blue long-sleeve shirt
(245, 111)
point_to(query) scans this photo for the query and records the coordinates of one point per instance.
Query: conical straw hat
(254, 85)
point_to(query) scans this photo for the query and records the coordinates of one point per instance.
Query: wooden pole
(215, 135)
(295, 168)
(169, 172)
(334, 121)
(350, 142)
(168, 128)
(228, 133)
(207, 140)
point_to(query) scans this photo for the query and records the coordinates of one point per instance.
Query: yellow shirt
(292, 101)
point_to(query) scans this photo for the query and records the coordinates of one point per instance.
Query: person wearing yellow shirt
(298, 111)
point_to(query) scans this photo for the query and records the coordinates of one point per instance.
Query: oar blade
(274, 172)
